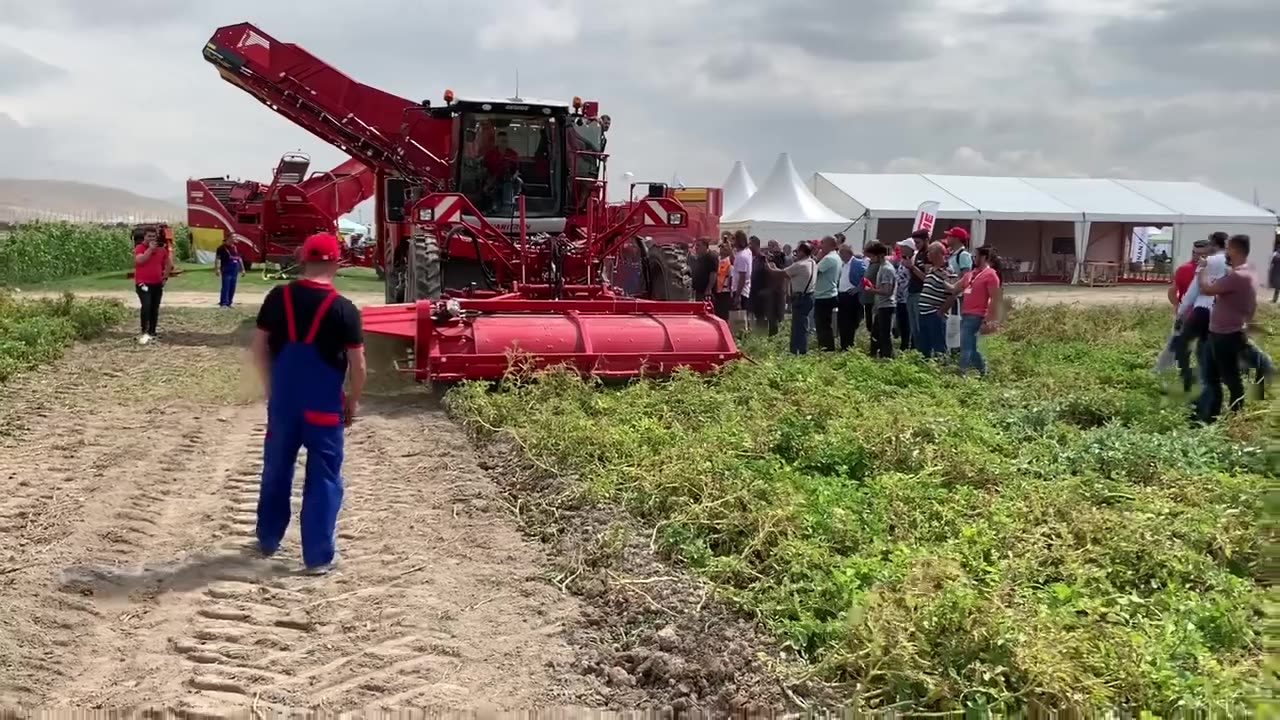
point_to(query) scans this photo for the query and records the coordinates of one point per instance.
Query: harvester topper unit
(498, 244)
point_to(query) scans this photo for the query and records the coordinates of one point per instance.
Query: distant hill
(23, 200)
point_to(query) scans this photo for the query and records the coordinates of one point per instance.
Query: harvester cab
(528, 206)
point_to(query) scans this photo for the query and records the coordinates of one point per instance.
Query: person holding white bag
(937, 290)
(959, 262)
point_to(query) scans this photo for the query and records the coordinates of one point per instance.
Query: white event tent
(783, 209)
(738, 188)
(869, 198)
(1052, 227)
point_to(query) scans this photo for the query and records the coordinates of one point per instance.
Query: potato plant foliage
(33, 332)
(43, 251)
(1056, 535)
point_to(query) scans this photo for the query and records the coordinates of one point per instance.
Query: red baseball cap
(958, 233)
(321, 247)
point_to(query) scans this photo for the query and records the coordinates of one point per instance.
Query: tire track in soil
(167, 518)
(126, 580)
(130, 512)
(387, 629)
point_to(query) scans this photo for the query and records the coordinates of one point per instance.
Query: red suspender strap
(320, 311)
(288, 313)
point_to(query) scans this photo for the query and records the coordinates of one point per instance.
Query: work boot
(323, 569)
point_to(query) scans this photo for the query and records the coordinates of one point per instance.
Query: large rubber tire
(425, 274)
(673, 281)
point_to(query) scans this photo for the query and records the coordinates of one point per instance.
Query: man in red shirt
(1183, 276)
(500, 162)
(310, 341)
(979, 309)
(1185, 273)
(152, 264)
(501, 159)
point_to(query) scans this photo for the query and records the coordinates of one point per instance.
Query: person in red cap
(958, 255)
(309, 341)
(959, 264)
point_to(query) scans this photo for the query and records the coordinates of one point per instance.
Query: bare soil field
(128, 479)
(247, 297)
(128, 576)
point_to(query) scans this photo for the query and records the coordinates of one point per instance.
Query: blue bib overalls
(230, 276)
(304, 409)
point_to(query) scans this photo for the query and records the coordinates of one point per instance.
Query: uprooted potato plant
(1057, 535)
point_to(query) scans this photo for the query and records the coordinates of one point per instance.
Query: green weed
(34, 332)
(1056, 535)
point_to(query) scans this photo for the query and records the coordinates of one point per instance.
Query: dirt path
(248, 297)
(1124, 294)
(128, 483)
(1027, 293)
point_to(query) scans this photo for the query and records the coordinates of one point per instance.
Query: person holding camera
(800, 276)
(152, 264)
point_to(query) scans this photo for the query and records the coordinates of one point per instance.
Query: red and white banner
(926, 216)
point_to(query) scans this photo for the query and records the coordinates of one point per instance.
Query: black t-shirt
(759, 271)
(916, 285)
(225, 258)
(339, 331)
(703, 272)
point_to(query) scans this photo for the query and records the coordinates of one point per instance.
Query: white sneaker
(144, 339)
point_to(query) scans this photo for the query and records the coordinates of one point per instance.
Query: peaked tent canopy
(783, 209)
(738, 188)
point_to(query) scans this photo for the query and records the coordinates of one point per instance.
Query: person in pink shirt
(1235, 300)
(979, 309)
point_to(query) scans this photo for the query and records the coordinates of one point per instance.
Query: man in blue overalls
(309, 341)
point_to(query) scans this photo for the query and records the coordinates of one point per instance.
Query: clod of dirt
(667, 638)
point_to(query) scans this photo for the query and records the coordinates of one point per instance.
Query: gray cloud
(20, 71)
(873, 31)
(90, 13)
(1189, 45)
(736, 64)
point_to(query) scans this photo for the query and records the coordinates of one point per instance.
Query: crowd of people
(940, 298)
(1215, 296)
(935, 297)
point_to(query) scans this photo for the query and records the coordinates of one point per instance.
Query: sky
(116, 91)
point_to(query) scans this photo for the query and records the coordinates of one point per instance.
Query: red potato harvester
(497, 243)
(269, 221)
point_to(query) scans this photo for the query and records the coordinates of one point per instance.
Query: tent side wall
(1263, 238)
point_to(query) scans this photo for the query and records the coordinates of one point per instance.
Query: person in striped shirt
(939, 289)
